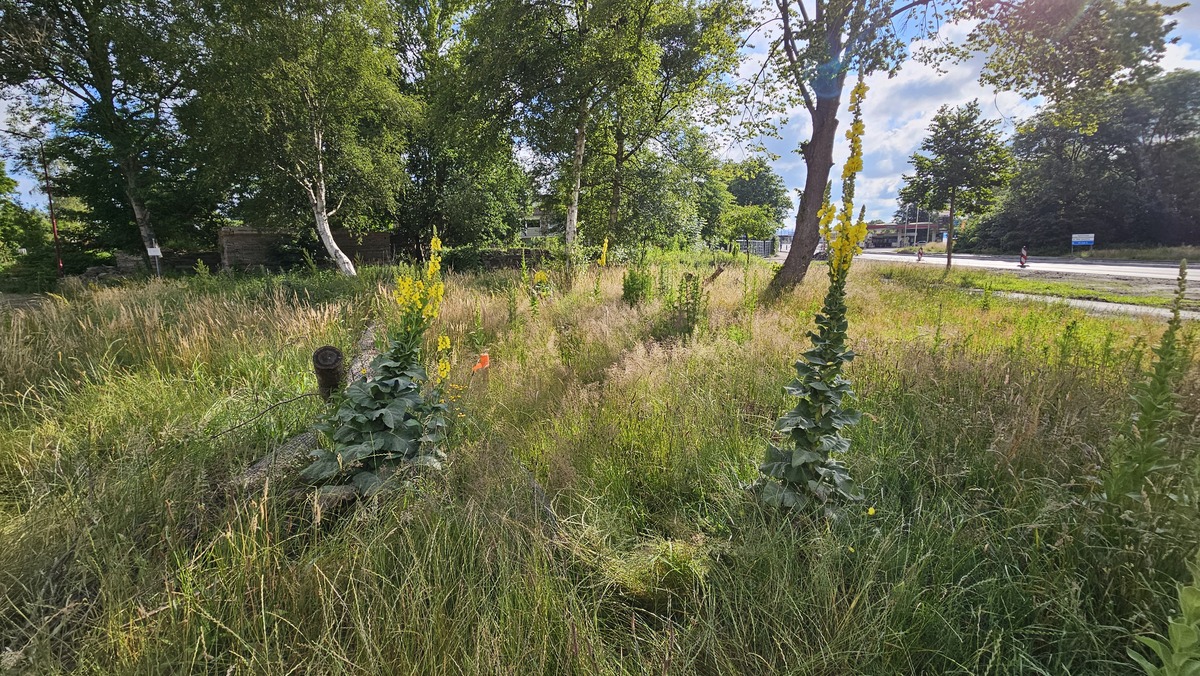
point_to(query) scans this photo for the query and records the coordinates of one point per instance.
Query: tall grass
(123, 550)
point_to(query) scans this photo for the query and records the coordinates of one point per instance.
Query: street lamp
(49, 194)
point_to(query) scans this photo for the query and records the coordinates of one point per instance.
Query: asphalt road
(1009, 264)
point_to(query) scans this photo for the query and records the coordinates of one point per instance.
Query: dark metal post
(328, 365)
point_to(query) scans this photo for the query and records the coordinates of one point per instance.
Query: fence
(758, 247)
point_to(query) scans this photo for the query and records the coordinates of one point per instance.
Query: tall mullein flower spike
(844, 234)
(802, 472)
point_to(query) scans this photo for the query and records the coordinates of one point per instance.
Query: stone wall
(249, 247)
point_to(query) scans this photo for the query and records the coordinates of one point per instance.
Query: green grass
(1154, 253)
(125, 550)
(1008, 282)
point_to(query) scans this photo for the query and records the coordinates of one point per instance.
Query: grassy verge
(1158, 253)
(124, 550)
(931, 248)
(961, 278)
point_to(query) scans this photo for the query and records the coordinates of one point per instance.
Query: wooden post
(328, 365)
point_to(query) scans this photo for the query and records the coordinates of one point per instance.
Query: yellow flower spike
(443, 369)
(844, 235)
(443, 344)
(604, 253)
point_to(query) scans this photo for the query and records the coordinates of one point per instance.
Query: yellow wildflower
(604, 253)
(443, 369)
(540, 277)
(843, 233)
(870, 511)
(443, 344)
(433, 301)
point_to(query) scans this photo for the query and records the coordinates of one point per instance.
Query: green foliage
(1128, 178)
(965, 163)
(684, 310)
(802, 470)
(637, 284)
(391, 419)
(385, 422)
(751, 221)
(302, 110)
(755, 184)
(1179, 653)
(1149, 490)
(107, 78)
(1144, 471)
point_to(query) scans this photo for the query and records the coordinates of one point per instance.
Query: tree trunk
(614, 205)
(141, 214)
(576, 177)
(950, 232)
(316, 197)
(818, 160)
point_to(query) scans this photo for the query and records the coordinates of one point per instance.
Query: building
(540, 222)
(891, 235)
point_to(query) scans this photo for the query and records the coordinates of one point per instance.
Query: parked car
(822, 252)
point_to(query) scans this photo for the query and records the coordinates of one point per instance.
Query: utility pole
(46, 186)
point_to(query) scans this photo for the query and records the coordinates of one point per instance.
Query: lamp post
(49, 194)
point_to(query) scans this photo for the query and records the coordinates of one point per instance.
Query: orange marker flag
(484, 362)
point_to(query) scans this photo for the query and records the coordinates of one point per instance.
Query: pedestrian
(1024, 257)
(920, 253)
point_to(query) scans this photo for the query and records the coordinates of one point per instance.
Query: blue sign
(1083, 240)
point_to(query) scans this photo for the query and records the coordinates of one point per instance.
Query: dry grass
(120, 553)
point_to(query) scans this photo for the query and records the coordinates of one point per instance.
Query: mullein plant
(397, 416)
(600, 263)
(801, 472)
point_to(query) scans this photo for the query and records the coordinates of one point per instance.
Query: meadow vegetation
(592, 515)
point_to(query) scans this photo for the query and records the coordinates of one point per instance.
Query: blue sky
(896, 113)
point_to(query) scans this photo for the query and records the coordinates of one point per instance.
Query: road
(1133, 269)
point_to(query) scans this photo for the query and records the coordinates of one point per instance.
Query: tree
(610, 74)
(752, 221)
(465, 180)
(20, 228)
(966, 161)
(547, 72)
(815, 45)
(1129, 180)
(679, 64)
(306, 94)
(755, 183)
(118, 65)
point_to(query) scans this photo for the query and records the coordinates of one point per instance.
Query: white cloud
(898, 111)
(1181, 55)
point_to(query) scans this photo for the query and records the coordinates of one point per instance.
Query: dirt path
(19, 299)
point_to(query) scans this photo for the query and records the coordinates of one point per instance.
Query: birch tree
(307, 92)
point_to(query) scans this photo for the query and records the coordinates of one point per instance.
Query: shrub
(636, 285)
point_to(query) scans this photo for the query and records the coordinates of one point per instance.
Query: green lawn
(987, 280)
